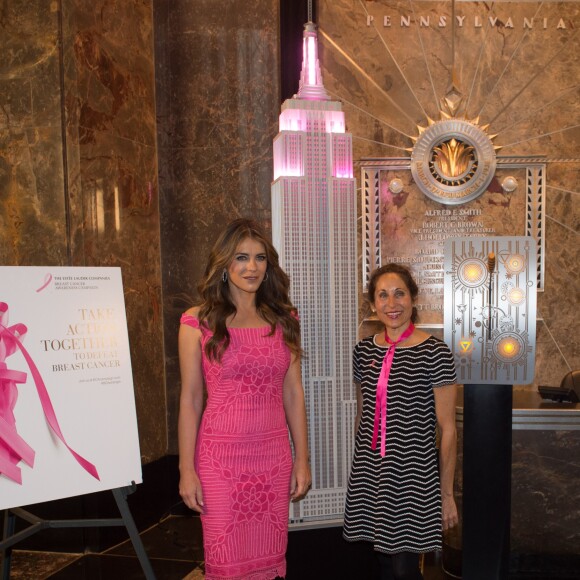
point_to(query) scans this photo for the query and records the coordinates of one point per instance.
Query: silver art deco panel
(490, 308)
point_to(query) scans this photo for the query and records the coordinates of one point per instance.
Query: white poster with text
(67, 409)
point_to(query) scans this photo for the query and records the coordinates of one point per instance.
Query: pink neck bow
(382, 388)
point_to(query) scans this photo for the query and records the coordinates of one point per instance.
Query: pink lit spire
(311, 87)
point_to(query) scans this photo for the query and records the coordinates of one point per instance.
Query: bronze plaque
(401, 224)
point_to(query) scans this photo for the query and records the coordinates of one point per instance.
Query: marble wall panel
(545, 488)
(558, 304)
(521, 81)
(217, 110)
(109, 94)
(545, 485)
(32, 203)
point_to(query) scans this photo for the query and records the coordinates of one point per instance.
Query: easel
(37, 524)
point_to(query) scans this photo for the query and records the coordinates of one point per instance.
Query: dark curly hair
(272, 299)
(404, 273)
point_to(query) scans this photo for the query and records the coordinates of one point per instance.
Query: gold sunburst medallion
(453, 160)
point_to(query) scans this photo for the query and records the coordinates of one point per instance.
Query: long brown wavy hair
(272, 300)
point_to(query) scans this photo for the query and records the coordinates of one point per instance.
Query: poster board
(64, 348)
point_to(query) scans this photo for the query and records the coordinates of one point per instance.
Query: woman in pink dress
(236, 468)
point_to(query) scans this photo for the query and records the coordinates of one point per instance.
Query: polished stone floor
(175, 551)
(174, 548)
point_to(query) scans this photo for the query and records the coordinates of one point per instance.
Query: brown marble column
(217, 110)
(32, 202)
(78, 162)
(109, 97)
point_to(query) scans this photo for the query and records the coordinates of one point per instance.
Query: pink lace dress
(243, 456)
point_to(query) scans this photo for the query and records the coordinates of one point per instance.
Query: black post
(487, 457)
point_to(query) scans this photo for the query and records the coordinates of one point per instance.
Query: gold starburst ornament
(453, 160)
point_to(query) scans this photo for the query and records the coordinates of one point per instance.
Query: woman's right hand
(190, 491)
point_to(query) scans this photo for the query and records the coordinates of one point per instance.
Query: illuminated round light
(396, 185)
(472, 273)
(515, 263)
(516, 296)
(509, 347)
(509, 184)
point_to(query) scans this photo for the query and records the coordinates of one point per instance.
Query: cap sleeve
(189, 320)
(443, 366)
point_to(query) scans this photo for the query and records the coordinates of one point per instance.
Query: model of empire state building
(314, 229)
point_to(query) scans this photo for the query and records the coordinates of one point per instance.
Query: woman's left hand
(300, 481)
(449, 512)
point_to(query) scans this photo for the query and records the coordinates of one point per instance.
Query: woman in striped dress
(399, 496)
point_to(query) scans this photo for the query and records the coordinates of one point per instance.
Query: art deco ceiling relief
(465, 119)
(501, 69)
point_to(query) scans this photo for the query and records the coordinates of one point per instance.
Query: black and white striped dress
(395, 501)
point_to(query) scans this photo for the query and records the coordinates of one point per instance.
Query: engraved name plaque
(402, 225)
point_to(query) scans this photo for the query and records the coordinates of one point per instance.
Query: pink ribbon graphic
(13, 448)
(382, 388)
(47, 281)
